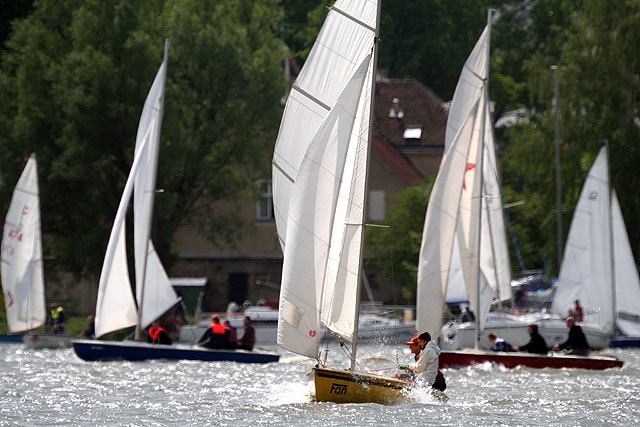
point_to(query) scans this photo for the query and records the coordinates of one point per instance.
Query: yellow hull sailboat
(345, 386)
(319, 186)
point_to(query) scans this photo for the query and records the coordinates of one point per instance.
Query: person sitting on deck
(248, 338)
(498, 344)
(230, 337)
(214, 336)
(415, 348)
(576, 342)
(90, 332)
(536, 344)
(158, 334)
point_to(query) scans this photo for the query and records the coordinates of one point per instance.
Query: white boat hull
(513, 329)
(39, 341)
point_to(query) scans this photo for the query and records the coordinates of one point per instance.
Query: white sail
(346, 38)
(22, 275)
(585, 273)
(586, 267)
(154, 292)
(627, 288)
(463, 285)
(116, 306)
(442, 224)
(314, 225)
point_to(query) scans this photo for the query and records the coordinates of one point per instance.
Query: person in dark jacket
(536, 343)
(576, 342)
(214, 336)
(230, 336)
(158, 334)
(248, 338)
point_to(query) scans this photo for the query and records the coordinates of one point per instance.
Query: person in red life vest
(577, 313)
(214, 336)
(248, 338)
(158, 334)
(230, 337)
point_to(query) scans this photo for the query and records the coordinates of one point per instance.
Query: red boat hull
(458, 359)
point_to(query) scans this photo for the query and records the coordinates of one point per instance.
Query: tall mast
(354, 342)
(556, 101)
(150, 214)
(481, 159)
(611, 242)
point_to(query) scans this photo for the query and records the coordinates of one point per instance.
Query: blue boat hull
(92, 351)
(625, 342)
(11, 338)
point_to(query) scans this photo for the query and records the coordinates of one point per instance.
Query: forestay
(22, 275)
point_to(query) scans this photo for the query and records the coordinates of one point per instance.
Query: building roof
(395, 161)
(407, 114)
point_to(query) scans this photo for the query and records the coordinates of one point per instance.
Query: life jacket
(56, 313)
(218, 328)
(154, 333)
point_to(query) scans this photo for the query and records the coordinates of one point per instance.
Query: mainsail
(22, 275)
(586, 272)
(345, 39)
(116, 307)
(322, 250)
(452, 275)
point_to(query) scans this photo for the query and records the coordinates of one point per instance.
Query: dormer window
(412, 134)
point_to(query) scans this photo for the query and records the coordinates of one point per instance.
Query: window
(376, 205)
(264, 204)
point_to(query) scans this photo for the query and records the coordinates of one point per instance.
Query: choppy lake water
(55, 387)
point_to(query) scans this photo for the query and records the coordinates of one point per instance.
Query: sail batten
(346, 38)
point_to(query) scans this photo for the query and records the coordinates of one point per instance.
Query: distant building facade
(407, 148)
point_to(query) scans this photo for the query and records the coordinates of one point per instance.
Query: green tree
(73, 81)
(396, 249)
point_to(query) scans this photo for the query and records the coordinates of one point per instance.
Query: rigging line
(286, 175)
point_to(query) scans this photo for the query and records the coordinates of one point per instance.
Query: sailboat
(463, 239)
(116, 306)
(22, 270)
(598, 266)
(319, 187)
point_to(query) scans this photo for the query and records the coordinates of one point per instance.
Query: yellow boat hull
(344, 386)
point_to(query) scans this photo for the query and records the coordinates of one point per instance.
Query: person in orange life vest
(158, 334)
(248, 338)
(230, 337)
(214, 336)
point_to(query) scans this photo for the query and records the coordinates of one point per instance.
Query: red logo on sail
(470, 166)
(10, 298)
(312, 333)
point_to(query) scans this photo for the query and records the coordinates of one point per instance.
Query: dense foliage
(74, 74)
(73, 79)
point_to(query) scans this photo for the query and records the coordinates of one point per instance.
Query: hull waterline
(458, 359)
(345, 386)
(133, 351)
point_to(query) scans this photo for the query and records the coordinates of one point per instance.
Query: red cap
(414, 340)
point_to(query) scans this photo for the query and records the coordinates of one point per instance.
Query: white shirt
(427, 365)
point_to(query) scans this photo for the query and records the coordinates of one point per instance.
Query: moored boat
(94, 350)
(48, 340)
(468, 357)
